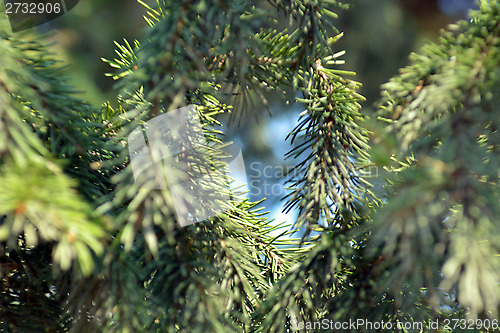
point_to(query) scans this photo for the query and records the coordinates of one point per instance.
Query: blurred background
(379, 35)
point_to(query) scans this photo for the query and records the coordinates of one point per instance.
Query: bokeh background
(379, 35)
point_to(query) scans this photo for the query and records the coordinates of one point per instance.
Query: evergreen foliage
(439, 231)
(84, 248)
